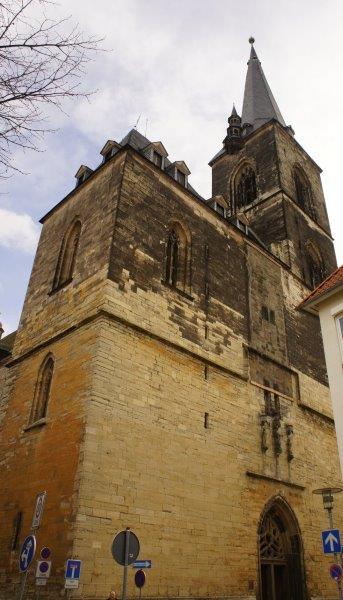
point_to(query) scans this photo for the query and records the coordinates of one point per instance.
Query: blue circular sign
(44, 566)
(139, 578)
(336, 572)
(27, 553)
(45, 552)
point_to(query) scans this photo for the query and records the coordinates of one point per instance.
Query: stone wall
(138, 365)
(45, 457)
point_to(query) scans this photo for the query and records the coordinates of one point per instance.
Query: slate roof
(335, 280)
(138, 141)
(259, 104)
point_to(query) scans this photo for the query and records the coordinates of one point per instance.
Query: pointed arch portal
(280, 554)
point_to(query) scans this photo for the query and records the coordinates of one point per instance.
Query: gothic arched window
(67, 256)
(303, 192)
(245, 190)
(172, 258)
(178, 258)
(315, 266)
(42, 392)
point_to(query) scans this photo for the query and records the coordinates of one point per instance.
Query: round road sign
(139, 578)
(44, 566)
(118, 547)
(336, 572)
(27, 553)
(45, 553)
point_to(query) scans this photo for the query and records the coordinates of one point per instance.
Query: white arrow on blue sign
(331, 541)
(142, 564)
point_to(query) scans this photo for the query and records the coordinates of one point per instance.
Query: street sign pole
(125, 549)
(36, 521)
(127, 546)
(22, 586)
(339, 585)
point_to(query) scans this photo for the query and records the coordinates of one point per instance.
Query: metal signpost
(26, 556)
(28, 548)
(331, 537)
(42, 574)
(43, 569)
(125, 549)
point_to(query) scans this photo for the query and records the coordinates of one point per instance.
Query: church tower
(163, 377)
(263, 172)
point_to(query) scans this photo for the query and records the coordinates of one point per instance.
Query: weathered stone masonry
(137, 365)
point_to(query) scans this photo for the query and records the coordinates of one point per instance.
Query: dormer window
(157, 159)
(109, 154)
(110, 149)
(156, 153)
(219, 204)
(220, 209)
(82, 174)
(82, 178)
(180, 177)
(179, 171)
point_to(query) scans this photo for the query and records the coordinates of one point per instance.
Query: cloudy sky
(178, 66)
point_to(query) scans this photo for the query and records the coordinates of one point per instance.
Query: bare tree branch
(42, 62)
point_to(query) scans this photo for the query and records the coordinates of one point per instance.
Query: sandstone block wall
(138, 364)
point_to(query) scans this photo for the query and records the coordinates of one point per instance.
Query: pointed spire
(234, 112)
(259, 104)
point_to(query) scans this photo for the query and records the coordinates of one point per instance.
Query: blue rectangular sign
(73, 569)
(331, 541)
(142, 564)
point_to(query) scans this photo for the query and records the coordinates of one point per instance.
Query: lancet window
(42, 392)
(303, 192)
(178, 258)
(245, 187)
(67, 256)
(315, 265)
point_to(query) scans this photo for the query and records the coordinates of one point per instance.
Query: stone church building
(163, 377)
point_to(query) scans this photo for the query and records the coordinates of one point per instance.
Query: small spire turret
(234, 131)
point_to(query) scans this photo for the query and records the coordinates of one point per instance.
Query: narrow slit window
(207, 420)
(42, 393)
(66, 260)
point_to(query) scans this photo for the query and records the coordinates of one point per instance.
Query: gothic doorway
(280, 554)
